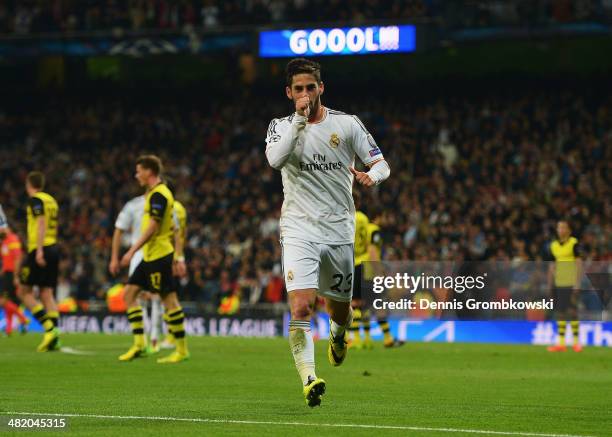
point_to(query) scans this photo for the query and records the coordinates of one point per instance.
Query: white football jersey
(317, 183)
(130, 218)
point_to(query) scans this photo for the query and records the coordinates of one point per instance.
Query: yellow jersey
(367, 234)
(159, 206)
(374, 239)
(361, 236)
(181, 215)
(42, 204)
(565, 255)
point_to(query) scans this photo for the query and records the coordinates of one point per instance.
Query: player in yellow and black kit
(368, 248)
(565, 274)
(40, 268)
(154, 273)
(179, 269)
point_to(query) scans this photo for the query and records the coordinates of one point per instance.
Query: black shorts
(155, 276)
(32, 274)
(8, 286)
(564, 299)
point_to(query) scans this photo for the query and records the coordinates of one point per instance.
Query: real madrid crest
(334, 141)
(290, 275)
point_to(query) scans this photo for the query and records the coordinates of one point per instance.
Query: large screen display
(337, 41)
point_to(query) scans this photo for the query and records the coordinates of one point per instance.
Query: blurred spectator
(62, 16)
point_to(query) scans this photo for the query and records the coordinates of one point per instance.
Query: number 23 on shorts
(339, 279)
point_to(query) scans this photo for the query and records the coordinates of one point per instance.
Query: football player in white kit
(315, 149)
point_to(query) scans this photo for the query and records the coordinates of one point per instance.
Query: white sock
(337, 330)
(156, 319)
(302, 348)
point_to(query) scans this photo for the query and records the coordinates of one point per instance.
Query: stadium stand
(480, 179)
(23, 17)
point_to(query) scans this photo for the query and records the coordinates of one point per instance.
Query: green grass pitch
(421, 388)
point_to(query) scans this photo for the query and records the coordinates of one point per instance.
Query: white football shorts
(136, 259)
(326, 268)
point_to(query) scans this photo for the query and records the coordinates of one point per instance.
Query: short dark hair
(566, 221)
(301, 66)
(150, 162)
(36, 179)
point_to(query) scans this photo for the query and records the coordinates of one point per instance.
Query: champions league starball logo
(143, 46)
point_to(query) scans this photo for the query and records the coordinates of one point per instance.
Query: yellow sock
(39, 314)
(384, 325)
(170, 336)
(136, 322)
(561, 324)
(54, 317)
(176, 326)
(575, 324)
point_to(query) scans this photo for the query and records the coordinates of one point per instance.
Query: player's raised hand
(362, 177)
(302, 106)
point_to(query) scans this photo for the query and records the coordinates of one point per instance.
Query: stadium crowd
(478, 179)
(23, 17)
